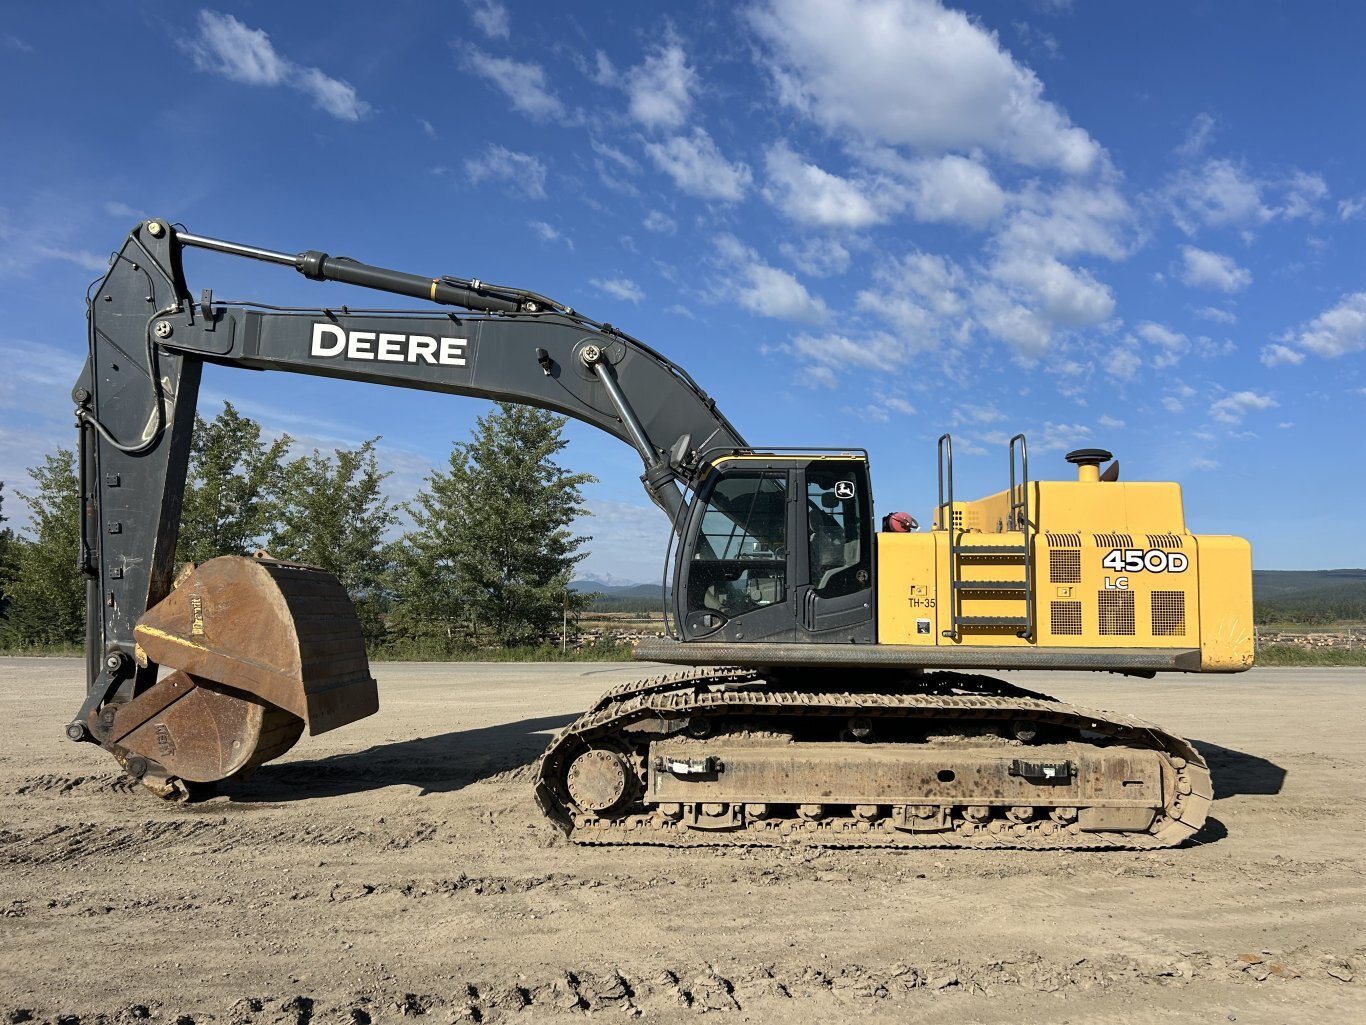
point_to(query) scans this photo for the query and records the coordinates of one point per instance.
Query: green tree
(6, 560)
(491, 545)
(333, 514)
(47, 595)
(232, 489)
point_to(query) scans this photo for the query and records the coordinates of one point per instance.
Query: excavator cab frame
(778, 547)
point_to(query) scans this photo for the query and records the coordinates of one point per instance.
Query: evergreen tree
(47, 595)
(492, 548)
(6, 560)
(232, 488)
(332, 514)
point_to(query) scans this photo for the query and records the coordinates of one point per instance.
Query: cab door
(734, 569)
(833, 595)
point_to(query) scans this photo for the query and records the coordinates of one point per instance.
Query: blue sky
(856, 222)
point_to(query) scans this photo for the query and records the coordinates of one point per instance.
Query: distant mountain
(614, 589)
(1310, 597)
(1268, 584)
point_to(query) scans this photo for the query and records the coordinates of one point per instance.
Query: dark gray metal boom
(149, 339)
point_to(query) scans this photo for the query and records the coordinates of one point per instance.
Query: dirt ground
(398, 868)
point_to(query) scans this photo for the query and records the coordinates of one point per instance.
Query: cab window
(739, 562)
(838, 548)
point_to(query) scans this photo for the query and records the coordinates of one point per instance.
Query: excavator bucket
(263, 648)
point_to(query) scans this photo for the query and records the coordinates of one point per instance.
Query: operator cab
(778, 548)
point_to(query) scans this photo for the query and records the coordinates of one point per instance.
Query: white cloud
(817, 376)
(1161, 336)
(881, 352)
(1222, 194)
(1213, 270)
(698, 168)
(1012, 322)
(660, 224)
(1304, 193)
(820, 258)
(921, 296)
(970, 414)
(520, 172)
(957, 190)
(549, 233)
(611, 163)
(490, 17)
(808, 195)
(911, 73)
(524, 84)
(1217, 315)
(1123, 364)
(765, 290)
(1339, 331)
(227, 47)
(1197, 137)
(1073, 220)
(114, 208)
(333, 95)
(1109, 422)
(1059, 437)
(1349, 209)
(1065, 295)
(1281, 355)
(661, 88)
(1232, 408)
(1171, 345)
(619, 288)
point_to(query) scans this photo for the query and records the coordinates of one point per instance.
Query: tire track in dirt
(702, 988)
(195, 835)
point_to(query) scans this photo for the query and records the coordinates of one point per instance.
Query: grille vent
(1063, 540)
(1116, 610)
(1169, 613)
(1066, 617)
(1168, 541)
(1064, 566)
(1114, 540)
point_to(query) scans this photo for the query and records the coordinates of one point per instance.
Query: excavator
(832, 686)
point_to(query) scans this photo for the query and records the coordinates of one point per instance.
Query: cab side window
(740, 558)
(838, 550)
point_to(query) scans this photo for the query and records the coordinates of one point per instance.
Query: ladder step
(990, 621)
(990, 585)
(990, 549)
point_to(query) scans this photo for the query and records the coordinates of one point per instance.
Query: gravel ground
(398, 868)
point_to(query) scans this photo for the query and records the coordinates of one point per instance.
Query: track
(942, 703)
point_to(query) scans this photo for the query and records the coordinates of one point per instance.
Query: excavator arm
(263, 648)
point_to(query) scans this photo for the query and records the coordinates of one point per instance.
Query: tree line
(486, 562)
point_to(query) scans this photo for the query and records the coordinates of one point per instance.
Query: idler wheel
(598, 780)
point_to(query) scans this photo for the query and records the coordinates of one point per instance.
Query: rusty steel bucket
(263, 649)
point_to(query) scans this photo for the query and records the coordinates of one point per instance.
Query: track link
(944, 702)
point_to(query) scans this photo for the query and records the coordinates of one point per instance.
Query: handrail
(946, 520)
(1021, 522)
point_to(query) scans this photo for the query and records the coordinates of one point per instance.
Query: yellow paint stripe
(434, 283)
(162, 635)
